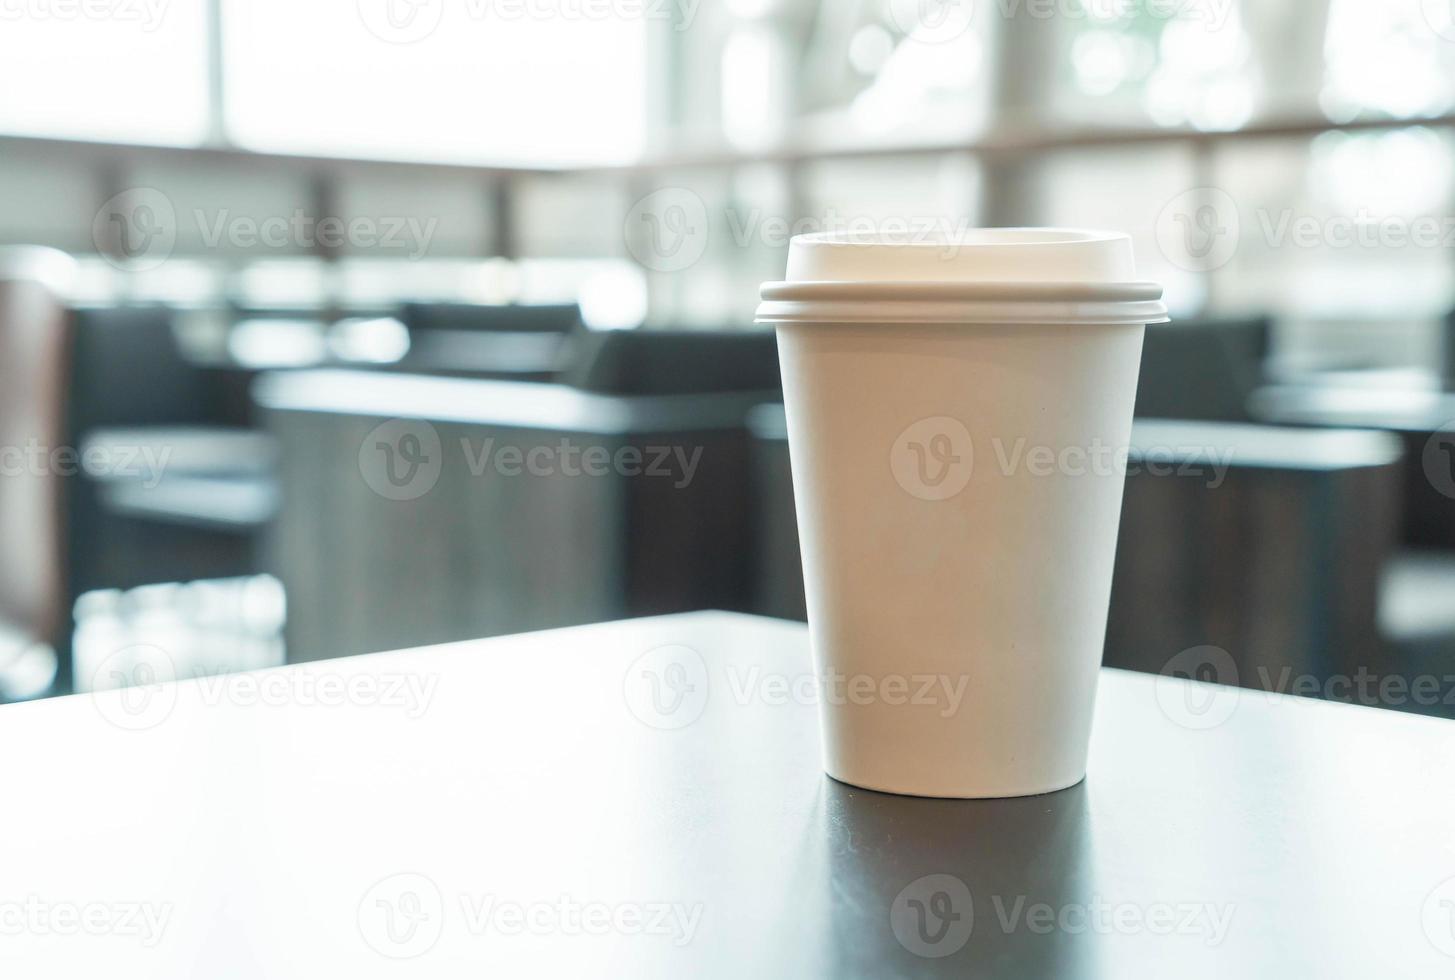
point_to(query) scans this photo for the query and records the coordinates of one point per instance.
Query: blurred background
(347, 326)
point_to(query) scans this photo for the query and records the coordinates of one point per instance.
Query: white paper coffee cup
(958, 416)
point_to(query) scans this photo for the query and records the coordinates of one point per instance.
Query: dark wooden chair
(674, 362)
(1202, 369)
(34, 610)
(478, 318)
(509, 342)
(199, 485)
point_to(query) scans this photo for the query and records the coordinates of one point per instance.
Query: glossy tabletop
(643, 799)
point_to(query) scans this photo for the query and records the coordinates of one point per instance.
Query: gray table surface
(534, 806)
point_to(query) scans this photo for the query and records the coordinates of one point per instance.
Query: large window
(475, 81)
(125, 70)
(470, 81)
(1310, 225)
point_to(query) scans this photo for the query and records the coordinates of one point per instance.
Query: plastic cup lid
(988, 275)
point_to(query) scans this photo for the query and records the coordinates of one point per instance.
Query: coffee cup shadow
(957, 887)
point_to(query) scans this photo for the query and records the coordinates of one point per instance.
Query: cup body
(958, 488)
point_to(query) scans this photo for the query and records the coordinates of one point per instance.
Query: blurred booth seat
(1203, 370)
(556, 318)
(1267, 543)
(777, 560)
(674, 362)
(175, 485)
(420, 509)
(33, 348)
(514, 342)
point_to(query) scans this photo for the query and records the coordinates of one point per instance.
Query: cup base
(996, 793)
